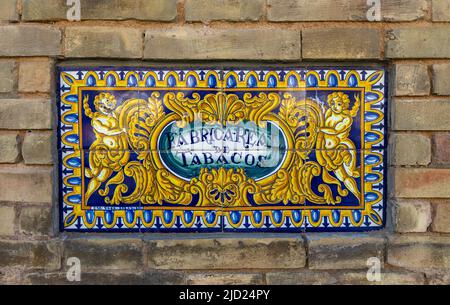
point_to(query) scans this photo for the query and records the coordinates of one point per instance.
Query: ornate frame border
(273, 218)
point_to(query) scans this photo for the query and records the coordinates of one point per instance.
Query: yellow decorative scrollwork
(222, 188)
(136, 124)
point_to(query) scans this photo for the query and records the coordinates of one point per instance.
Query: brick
(418, 252)
(25, 114)
(438, 278)
(334, 43)
(230, 10)
(405, 10)
(11, 276)
(412, 215)
(26, 184)
(224, 279)
(163, 277)
(29, 40)
(338, 252)
(9, 10)
(404, 155)
(208, 43)
(421, 115)
(441, 10)
(422, 183)
(226, 253)
(35, 220)
(441, 79)
(108, 278)
(111, 254)
(412, 80)
(419, 42)
(37, 148)
(86, 278)
(30, 254)
(7, 218)
(441, 217)
(34, 76)
(302, 277)
(9, 148)
(115, 42)
(441, 148)
(7, 76)
(343, 10)
(151, 10)
(346, 277)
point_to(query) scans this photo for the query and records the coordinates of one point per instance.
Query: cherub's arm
(330, 131)
(339, 128)
(327, 130)
(98, 126)
(344, 125)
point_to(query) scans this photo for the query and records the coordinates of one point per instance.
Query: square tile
(332, 195)
(208, 150)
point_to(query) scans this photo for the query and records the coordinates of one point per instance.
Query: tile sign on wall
(204, 150)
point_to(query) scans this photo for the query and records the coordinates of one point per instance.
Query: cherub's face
(337, 106)
(106, 105)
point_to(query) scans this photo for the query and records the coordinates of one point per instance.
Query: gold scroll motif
(136, 124)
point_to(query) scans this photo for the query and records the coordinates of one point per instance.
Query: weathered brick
(101, 253)
(9, 10)
(230, 10)
(152, 10)
(30, 254)
(404, 155)
(208, 43)
(341, 43)
(302, 277)
(34, 76)
(86, 278)
(405, 10)
(164, 277)
(412, 80)
(11, 276)
(35, 220)
(227, 253)
(441, 10)
(7, 218)
(418, 252)
(439, 278)
(319, 277)
(419, 42)
(37, 148)
(25, 184)
(224, 279)
(421, 115)
(29, 40)
(441, 148)
(25, 114)
(441, 217)
(108, 278)
(9, 148)
(441, 79)
(97, 41)
(343, 252)
(343, 10)
(413, 215)
(7, 76)
(422, 183)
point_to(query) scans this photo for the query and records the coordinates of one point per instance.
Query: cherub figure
(109, 152)
(334, 149)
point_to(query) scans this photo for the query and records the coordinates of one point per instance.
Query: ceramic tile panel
(212, 150)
